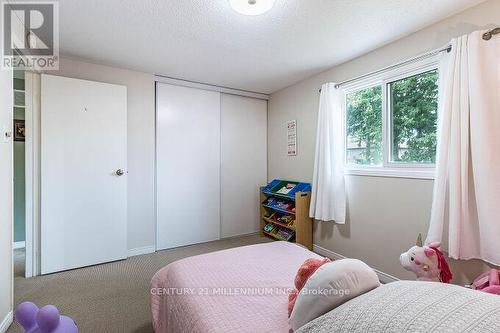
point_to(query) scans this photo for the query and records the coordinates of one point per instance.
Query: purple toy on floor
(44, 320)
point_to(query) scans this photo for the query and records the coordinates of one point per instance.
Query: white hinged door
(83, 173)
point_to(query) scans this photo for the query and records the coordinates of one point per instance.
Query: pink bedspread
(237, 290)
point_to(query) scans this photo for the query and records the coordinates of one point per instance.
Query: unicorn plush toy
(427, 262)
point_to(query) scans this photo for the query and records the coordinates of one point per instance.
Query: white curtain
(466, 203)
(328, 199)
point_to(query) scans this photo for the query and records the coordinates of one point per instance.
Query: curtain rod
(487, 35)
(399, 64)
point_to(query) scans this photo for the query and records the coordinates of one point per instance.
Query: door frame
(7, 134)
(32, 172)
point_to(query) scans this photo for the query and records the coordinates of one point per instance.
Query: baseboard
(19, 245)
(141, 250)
(383, 277)
(6, 322)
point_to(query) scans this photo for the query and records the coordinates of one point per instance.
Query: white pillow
(330, 286)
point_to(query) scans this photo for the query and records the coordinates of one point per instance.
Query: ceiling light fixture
(252, 7)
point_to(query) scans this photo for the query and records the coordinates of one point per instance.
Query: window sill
(424, 173)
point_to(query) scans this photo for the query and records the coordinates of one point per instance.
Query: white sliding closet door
(244, 162)
(188, 166)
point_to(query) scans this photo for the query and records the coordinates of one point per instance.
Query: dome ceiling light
(252, 7)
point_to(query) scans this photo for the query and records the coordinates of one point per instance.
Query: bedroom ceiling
(207, 41)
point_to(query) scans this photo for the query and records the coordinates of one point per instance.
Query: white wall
(6, 192)
(385, 214)
(141, 142)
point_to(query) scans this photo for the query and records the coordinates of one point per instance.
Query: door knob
(119, 172)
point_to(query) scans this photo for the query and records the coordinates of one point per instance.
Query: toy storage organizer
(284, 212)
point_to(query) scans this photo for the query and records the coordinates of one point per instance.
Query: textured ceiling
(206, 41)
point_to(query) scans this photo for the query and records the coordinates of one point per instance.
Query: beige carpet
(112, 297)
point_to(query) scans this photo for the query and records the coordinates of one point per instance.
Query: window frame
(390, 168)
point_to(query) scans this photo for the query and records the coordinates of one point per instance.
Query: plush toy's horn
(419, 240)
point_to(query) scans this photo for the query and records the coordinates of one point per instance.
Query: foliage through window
(364, 126)
(409, 122)
(414, 103)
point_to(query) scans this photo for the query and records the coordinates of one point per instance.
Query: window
(413, 114)
(364, 126)
(391, 123)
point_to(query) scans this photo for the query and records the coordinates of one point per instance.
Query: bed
(236, 290)
(412, 306)
(245, 290)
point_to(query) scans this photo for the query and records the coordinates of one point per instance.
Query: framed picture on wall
(19, 130)
(291, 130)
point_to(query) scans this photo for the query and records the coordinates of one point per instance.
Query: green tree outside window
(364, 126)
(413, 121)
(414, 102)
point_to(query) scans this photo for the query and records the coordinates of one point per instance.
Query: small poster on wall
(292, 137)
